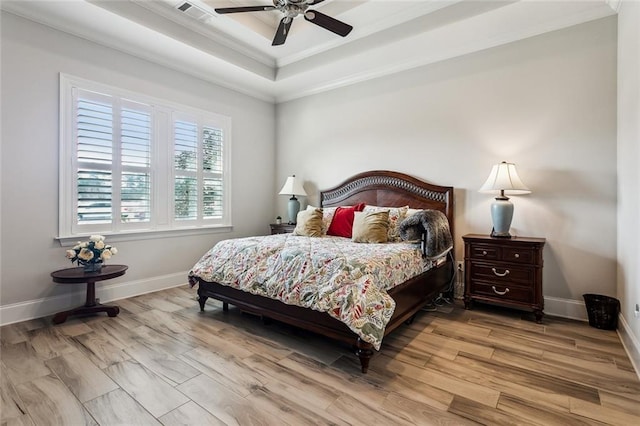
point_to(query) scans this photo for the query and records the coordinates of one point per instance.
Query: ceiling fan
(291, 9)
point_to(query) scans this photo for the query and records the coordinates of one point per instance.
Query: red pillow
(342, 222)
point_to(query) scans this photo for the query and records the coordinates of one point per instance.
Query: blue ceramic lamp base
(501, 215)
(293, 209)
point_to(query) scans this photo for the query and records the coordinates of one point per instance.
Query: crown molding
(462, 28)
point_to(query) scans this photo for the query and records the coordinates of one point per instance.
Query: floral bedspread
(329, 274)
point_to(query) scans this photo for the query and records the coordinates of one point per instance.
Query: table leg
(91, 294)
(61, 317)
(91, 306)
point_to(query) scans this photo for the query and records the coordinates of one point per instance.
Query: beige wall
(547, 103)
(32, 58)
(628, 174)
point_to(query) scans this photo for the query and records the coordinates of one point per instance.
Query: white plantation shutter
(212, 169)
(94, 118)
(185, 163)
(199, 190)
(133, 164)
(113, 155)
(135, 152)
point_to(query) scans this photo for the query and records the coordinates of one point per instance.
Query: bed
(375, 188)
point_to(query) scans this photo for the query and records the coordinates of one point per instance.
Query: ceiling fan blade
(223, 10)
(311, 3)
(327, 22)
(282, 32)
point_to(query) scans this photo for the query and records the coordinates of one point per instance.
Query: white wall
(32, 58)
(628, 174)
(547, 103)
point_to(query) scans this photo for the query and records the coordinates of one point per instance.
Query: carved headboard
(392, 189)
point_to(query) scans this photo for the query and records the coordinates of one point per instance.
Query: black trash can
(602, 311)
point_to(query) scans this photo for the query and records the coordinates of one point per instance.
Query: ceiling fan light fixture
(291, 9)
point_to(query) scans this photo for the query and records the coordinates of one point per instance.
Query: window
(131, 164)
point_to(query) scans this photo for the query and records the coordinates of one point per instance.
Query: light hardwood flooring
(161, 361)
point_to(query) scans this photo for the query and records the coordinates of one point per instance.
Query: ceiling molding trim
(150, 45)
(408, 14)
(614, 4)
(461, 38)
(338, 68)
(209, 31)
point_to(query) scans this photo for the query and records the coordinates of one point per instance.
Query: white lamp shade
(293, 186)
(504, 177)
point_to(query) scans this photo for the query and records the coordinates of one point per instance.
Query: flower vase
(92, 267)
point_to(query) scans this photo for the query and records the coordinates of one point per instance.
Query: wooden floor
(163, 362)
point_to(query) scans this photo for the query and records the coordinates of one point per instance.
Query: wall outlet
(636, 312)
(460, 266)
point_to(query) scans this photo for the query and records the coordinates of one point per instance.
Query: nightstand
(282, 228)
(504, 271)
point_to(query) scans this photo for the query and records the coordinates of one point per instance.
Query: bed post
(202, 299)
(364, 351)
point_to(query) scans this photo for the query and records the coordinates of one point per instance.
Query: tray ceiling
(235, 51)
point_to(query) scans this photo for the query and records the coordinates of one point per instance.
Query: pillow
(411, 212)
(327, 216)
(309, 223)
(396, 215)
(371, 227)
(342, 221)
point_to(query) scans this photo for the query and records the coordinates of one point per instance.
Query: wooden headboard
(392, 189)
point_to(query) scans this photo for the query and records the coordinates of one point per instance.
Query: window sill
(116, 237)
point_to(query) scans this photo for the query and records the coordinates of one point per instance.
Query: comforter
(347, 280)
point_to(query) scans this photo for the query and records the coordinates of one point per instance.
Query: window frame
(162, 222)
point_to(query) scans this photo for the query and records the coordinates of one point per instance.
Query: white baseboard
(565, 308)
(43, 307)
(630, 343)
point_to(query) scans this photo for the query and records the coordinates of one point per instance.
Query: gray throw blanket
(432, 228)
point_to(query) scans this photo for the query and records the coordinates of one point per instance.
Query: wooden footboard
(410, 297)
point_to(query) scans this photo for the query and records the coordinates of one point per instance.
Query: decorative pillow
(411, 212)
(342, 221)
(396, 215)
(309, 223)
(327, 216)
(371, 227)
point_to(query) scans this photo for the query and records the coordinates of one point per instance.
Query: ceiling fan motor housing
(290, 9)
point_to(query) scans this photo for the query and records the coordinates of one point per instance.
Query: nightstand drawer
(500, 272)
(485, 251)
(507, 292)
(519, 254)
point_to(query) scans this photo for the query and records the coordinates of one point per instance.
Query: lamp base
(293, 209)
(501, 215)
(495, 234)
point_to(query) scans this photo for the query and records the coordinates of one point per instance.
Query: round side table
(78, 276)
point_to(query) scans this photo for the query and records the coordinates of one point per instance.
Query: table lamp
(503, 178)
(293, 187)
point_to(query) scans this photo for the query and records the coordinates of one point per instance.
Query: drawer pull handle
(501, 293)
(498, 274)
(484, 252)
(516, 255)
